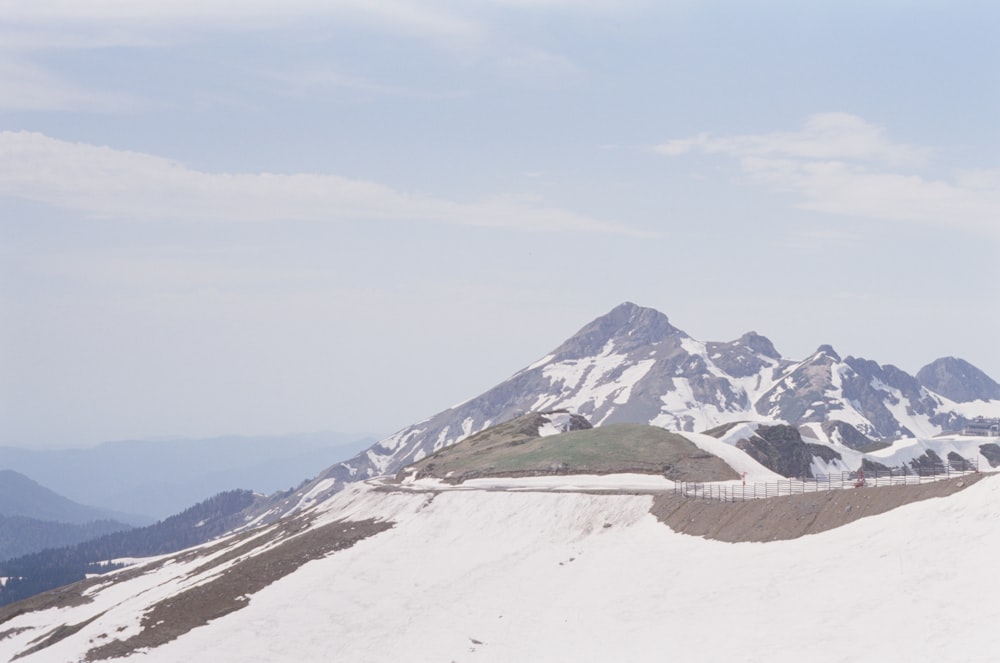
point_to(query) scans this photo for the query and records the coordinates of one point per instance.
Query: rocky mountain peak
(958, 380)
(759, 344)
(628, 326)
(826, 351)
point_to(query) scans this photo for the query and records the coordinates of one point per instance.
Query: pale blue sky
(262, 217)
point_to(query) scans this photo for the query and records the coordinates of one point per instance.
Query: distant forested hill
(23, 496)
(21, 536)
(31, 574)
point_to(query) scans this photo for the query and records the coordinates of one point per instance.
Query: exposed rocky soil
(780, 518)
(63, 597)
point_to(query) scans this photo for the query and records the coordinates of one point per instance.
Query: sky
(264, 217)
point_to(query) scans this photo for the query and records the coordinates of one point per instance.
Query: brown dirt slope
(780, 518)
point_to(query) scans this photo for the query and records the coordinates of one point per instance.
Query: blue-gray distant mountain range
(32, 517)
(159, 478)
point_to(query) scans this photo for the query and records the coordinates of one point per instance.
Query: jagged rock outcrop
(782, 450)
(958, 380)
(848, 435)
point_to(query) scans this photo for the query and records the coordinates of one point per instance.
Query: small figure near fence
(860, 481)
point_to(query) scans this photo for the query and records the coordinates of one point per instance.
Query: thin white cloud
(465, 31)
(841, 164)
(124, 19)
(824, 136)
(302, 82)
(108, 183)
(28, 87)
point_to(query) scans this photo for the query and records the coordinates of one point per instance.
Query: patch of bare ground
(789, 517)
(231, 589)
(68, 596)
(63, 597)
(13, 631)
(55, 635)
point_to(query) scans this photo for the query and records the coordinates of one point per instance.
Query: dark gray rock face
(743, 357)
(628, 326)
(958, 380)
(877, 389)
(848, 435)
(801, 394)
(781, 449)
(992, 452)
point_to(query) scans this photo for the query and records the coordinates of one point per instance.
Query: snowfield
(490, 575)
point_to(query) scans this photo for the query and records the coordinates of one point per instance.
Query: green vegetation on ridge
(515, 449)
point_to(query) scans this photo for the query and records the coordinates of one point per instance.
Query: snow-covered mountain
(633, 366)
(410, 572)
(548, 539)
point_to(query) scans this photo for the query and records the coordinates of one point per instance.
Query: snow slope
(486, 575)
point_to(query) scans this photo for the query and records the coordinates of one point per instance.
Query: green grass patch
(508, 450)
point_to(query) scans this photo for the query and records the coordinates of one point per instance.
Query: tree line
(40, 571)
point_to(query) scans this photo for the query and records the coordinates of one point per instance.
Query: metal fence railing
(740, 492)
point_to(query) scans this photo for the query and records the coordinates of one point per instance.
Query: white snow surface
(903, 451)
(310, 498)
(584, 383)
(680, 403)
(725, 449)
(987, 409)
(499, 576)
(555, 423)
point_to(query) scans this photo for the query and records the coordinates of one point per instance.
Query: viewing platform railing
(740, 492)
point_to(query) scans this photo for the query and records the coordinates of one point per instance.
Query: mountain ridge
(118, 474)
(632, 365)
(22, 496)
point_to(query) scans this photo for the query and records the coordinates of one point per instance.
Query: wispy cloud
(29, 30)
(27, 87)
(423, 20)
(841, 164)
(469, 32)
(824, 136)
(109, 183)
(302, 82)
